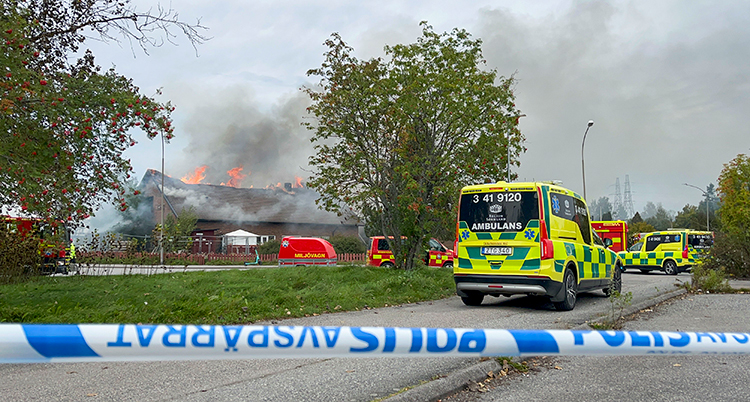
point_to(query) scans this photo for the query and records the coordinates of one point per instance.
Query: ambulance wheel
(570, 289)
(670, 268)
(473, 299)
(387, 264)
(616, 283)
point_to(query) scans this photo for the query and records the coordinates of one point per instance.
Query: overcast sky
(666, 83)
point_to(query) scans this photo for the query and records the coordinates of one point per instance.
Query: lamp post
(161, 208)
(583, 168)
(705, 194)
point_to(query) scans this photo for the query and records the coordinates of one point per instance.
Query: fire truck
(53, 241)
(615, 230)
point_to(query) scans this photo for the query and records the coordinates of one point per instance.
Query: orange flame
(297, 182)
(236, 177)
(196, 177)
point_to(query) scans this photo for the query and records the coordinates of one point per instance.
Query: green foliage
(347, 245)
(19, 256)
(270, 247)
(734, 191)
(730, 254)
(64, 123)
(223, 297)
(635, 229)
(618, 302)
(397, 138)
(177, 231)
(657, 216)
(708, 279)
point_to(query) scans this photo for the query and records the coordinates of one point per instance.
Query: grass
(218, 298)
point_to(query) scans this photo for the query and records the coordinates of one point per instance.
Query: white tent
(235, 240)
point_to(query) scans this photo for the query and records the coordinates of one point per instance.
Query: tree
(731, 251)
(63, 122)
(177, 231)
(690, 218)
(601, 209)
(635, 229)
(397, 137)
(661, 218)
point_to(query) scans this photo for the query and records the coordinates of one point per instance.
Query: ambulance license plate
(497, 250)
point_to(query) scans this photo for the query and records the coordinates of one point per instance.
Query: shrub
(347, 245)
(709, 279)
(730, 253)
(270, 247)
(19, 257)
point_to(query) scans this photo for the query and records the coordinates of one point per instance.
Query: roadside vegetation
(218, 298)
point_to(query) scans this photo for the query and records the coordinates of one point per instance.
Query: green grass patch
(218, 298)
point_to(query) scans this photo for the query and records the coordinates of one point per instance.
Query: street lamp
(583, 168)
(705, 194)
(161, 208)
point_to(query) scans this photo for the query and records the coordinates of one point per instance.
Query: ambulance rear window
(701, 241)
(500, 211)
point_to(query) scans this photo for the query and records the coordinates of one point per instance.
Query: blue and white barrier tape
(34, 343)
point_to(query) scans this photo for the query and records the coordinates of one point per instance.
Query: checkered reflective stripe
(654, 258)
(592, 262)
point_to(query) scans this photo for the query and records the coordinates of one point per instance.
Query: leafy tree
(661, 219)
(397, 137)
(64, 123)
(177, 231)
(636, 228)
(690, 218)
(601, 209)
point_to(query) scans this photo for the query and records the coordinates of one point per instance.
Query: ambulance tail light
(548, 249)
(455, 249)
(685, 252)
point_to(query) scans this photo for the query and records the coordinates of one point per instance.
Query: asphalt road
(354, 379)
(644, 378)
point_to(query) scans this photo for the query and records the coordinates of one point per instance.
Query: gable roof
(240, 233)
(224, 203)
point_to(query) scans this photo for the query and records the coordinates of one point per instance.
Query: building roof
(240, 233)
(225, 203)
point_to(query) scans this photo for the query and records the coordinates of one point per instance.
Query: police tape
(44, 343)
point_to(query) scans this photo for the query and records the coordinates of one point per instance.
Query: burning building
(272, 212)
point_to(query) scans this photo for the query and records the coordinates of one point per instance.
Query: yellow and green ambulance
(671, 251)
(529, 238)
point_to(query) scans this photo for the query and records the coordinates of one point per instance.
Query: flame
(236, 177)
(297, 182)
(196, 177)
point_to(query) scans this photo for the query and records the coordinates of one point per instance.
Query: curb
(449, 384)
(458, 380)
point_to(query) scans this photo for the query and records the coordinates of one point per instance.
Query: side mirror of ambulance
(608, 243)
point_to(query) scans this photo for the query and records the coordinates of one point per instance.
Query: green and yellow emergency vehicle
(672, 251)
(529, 238)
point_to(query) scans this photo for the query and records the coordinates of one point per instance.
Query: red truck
(615, 230)
(380, 255)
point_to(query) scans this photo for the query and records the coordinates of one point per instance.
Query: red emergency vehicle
(306, 251)
(617, 231)
(379, 254)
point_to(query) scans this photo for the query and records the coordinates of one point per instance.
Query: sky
(667, 84)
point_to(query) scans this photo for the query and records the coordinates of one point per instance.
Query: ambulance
(529, 238)
(671, 251)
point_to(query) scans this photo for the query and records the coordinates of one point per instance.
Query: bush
(347, 245)
(709, 279)
(19, 257)
(731, 254)
(270, 247)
